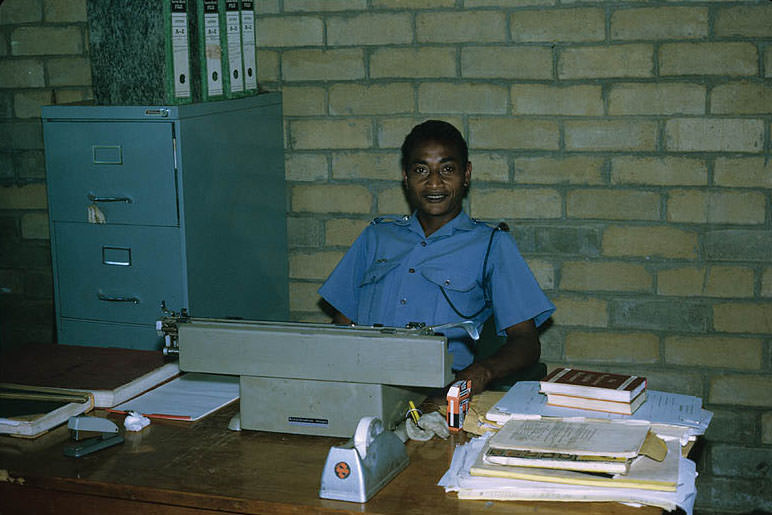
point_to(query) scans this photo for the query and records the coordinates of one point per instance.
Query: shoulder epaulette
(401, 220)
(501, 226)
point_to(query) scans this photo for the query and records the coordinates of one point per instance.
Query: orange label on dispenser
(458, 397)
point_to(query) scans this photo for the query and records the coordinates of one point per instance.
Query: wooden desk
(171, 467)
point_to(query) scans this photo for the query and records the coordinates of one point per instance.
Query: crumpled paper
(135, 421)
(429, 424)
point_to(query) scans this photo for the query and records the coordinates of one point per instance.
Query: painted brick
(551, 346)
(713, 351)
(341, 232)
(749, 172)
(553, 100)
(557, 240)
(732, 425)
(317, 64)
(21, 11)
(741, 98)
(766, 428)
(659, 171)
(423, 62)
(766, 282)
(714, 135)
(511, 134)
(30, 196)
(612, 347)
(737, 245)
(331, 199)
(392, 201)
(303, 296)
(370, 29)
(717, 281)
(21, 135)
(568, 170)
(726, 58)
(324, 5)
(613, 204)
(34, 226)
(329, 133)
(629, 60)
(69, 71)
(313, 265)
(741, 390)
(462, 98)
(31, 164)
(582, 311)
(650, 241)
(686, 281)
(11, 282)
(743, 318)
(506, 3)
(677, 380)
(744, 21)
(558, 25)
(303, 232)
(7, 167)
(614, 135)
(73, 95)
(305, 167)
(267, 7)
(521, 203)
(38, 285)
(366, 165)
(267, 66)
(748, 207)
(46, 41)
(660, 23)
(413, 4)
(489, 167)
(506, 62)
(735, 461)
(63, 12)
(392, 131)
(24, 73)
(660, 315)
(667, 98)
(27, 103)
(372, 99)
(768, 62)
(604, 276)
(543, 272)
(460, 27)
(289, 31)
(303, 101)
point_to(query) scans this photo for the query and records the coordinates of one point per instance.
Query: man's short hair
(434, 130)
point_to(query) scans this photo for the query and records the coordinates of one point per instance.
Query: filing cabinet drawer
(126, 169)
(106, 334)
(118, 273)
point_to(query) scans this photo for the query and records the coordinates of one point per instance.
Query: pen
(413, 412)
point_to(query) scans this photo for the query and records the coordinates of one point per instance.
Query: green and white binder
(211, 36)
(248, 46)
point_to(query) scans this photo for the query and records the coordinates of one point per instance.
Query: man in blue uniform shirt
(439, 266)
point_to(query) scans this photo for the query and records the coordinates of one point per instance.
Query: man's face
(436, 181)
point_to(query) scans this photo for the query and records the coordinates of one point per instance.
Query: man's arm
(521, 350)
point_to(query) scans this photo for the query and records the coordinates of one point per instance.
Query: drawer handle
(107, 298)
(94, 198)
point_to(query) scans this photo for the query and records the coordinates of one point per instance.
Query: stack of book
(596, 391)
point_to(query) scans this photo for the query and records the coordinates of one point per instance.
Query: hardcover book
(570, 401)
(593, 385)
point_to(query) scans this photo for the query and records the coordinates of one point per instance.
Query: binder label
(233, 24)
(179, 37)
(248, 44)
(213, 50)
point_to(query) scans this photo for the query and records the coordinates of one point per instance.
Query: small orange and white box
(459, 395)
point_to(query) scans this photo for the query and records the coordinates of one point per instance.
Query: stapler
(358, 469)
(109, 435)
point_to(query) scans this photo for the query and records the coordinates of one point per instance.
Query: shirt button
(403, 301)
(423, 243)
(412, 270)
(447, 282)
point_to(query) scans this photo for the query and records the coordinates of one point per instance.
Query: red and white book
(570, 401)
(593, 385)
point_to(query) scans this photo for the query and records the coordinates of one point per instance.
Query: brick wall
(626, 143)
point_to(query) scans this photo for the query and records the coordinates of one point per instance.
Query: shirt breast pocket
(461, 290)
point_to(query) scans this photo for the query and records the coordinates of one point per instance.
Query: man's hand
(522, 349)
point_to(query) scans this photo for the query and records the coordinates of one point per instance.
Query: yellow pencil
(413, 412)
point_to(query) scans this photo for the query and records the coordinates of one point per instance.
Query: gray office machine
(316, 379)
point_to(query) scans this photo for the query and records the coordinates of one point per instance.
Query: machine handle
(94, 198)
(107, 298)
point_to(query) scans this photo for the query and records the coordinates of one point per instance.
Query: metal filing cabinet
(183, 204)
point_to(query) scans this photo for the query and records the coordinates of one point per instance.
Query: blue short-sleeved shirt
(393, 275)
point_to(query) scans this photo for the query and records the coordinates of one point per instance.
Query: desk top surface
(203, 465)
